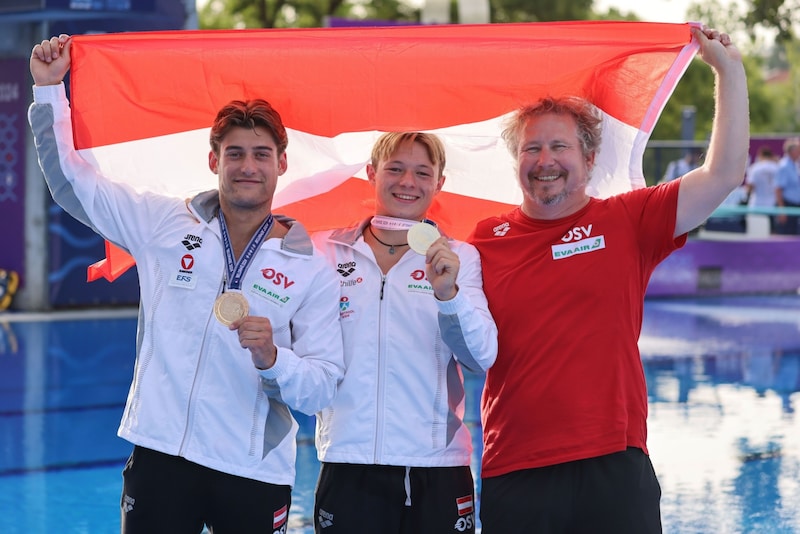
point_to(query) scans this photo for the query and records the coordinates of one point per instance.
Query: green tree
(527, 11)
(311, 13)
(713, 13)
(781, 15)
(754, 17)
(696, 90)
(615, 14)
(784, 93)
(218, 14)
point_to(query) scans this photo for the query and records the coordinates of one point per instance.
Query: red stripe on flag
(332, 80)
(116, 262)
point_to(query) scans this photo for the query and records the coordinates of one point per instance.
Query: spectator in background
(787, 187)
(760, 180)
(679, 167)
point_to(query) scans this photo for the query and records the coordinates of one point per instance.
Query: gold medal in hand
(231, 306)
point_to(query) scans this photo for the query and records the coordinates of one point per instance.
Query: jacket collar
(205, 207)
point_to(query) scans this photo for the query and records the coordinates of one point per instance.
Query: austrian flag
(143, 104)
(279, 517)
(464, 505)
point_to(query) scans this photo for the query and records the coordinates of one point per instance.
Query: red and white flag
(143, 104)
(279, 517)
(464, 505)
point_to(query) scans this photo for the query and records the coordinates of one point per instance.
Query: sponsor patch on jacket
(584, 246)
(273, 287)
(345, 311)
(184, 275)
(418, 283)
(270, 294)
(192, 242)
(346, 269)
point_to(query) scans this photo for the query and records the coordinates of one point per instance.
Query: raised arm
(50, 60)
(703, 189)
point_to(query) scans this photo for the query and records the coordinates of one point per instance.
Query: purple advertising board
(14, 91)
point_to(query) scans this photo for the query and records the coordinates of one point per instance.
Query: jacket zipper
(192, 392)
(379, 379)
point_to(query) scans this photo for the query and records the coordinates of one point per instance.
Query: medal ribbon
(394, 223)
(236, 269)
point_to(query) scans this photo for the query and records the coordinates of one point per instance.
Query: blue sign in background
(13, 130)
(16, 6)
(71, 247)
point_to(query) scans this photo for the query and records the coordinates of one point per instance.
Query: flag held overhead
(143, 103)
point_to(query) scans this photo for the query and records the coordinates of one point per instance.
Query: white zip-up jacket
(402, 398)
(196, 392)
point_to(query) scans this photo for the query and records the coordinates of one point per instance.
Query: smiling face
(248, 165)
(551, 167)
(405, 182)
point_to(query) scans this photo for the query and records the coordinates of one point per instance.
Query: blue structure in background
(72, 247)
(97, 15)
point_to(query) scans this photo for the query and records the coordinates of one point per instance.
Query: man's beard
(551, 200)
(548, 200)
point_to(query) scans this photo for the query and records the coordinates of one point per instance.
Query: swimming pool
(723, 377)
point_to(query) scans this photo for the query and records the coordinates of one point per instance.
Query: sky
(649, 10)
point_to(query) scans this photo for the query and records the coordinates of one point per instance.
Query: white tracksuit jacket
(196, 392)
(402, 398)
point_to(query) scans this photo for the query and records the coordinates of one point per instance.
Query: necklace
(391, 247)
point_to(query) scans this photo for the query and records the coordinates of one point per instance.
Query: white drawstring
(407, 482)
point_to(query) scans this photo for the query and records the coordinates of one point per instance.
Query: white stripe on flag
(478, 163)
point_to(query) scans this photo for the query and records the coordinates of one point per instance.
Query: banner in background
(14, 98)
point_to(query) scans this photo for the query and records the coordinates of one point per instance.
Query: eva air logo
(584, 246)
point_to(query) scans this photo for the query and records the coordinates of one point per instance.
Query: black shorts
(385, 499)
(791, 225)
(170, 495)
(615, 494)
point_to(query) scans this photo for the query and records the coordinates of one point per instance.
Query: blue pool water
(723, 377)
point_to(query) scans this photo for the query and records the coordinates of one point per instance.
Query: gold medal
(230, 306)
(421, 236)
